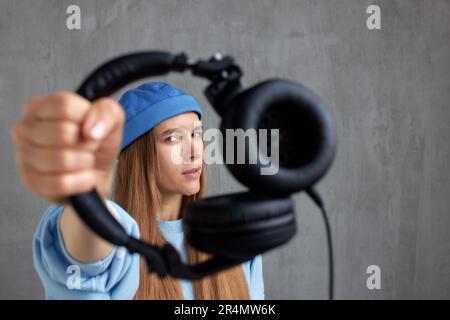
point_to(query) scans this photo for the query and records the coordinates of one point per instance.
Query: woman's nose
(196, 150)
(193, 150)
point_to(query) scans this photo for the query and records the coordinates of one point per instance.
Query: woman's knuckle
(61, 99)
(62, 184)
(65, 132)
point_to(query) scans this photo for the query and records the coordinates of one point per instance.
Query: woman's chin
(191, 189)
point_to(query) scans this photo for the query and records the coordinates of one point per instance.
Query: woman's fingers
(48, 134)
(57, 186)
(58, 106)
(54, 160)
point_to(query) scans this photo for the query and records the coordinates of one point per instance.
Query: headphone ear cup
(240, 225)
(306, 136)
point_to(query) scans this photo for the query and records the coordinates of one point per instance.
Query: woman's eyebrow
(168, 131)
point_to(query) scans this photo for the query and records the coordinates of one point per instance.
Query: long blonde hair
(135, 190)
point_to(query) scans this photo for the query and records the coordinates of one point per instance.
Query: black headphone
(234, 227)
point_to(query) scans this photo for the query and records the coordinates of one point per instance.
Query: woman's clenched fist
(67, 145)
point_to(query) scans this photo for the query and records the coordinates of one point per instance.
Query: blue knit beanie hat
(151, 103)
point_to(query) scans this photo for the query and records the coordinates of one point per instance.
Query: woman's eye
(197, 134)
(171, 138)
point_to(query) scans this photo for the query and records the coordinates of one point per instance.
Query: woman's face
(179, 148)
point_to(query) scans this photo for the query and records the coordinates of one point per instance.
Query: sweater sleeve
(256, 279)
(63, 277)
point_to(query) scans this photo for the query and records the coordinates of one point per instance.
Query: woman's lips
(193, 173)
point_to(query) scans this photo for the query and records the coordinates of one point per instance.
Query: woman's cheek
(176, 154)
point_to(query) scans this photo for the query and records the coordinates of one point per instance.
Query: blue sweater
(117, 275)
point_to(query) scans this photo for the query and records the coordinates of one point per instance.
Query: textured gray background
(388, 192)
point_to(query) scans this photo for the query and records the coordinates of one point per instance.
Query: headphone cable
(318, 201)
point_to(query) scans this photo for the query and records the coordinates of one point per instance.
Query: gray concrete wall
(388, 193)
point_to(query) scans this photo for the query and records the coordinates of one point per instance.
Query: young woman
(159, 168)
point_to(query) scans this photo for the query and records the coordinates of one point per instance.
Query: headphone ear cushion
(307, 139)
(239, 225)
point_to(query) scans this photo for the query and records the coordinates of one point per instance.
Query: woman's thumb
(101, 118)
